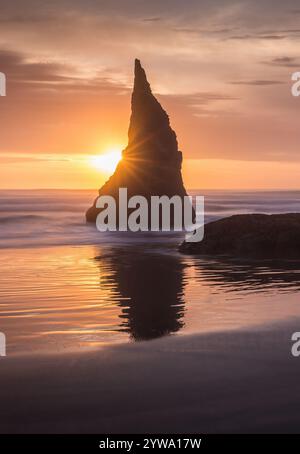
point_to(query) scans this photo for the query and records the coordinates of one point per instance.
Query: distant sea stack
(151, 162)
(258, 236)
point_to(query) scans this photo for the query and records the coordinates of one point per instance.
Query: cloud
(258, 83)
(26, 75)
(294, 11)
(257, 37)
(286, 62)
(152, 19)
(198, 104)
(201, 98)
(18, 158)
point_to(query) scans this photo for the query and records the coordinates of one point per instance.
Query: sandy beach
(233, 382)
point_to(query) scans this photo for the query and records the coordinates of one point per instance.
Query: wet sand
(65, 299)
(235, 381)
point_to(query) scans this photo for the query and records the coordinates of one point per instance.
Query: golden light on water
(107, 162)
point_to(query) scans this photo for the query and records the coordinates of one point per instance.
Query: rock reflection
(151, 290)
(237, 275)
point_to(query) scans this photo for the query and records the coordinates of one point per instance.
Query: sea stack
(151, 162)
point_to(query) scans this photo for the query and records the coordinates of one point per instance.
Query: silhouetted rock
(274, 236)
(151, 163)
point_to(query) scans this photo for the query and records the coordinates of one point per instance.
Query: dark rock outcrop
(151, 163)
(274, 236)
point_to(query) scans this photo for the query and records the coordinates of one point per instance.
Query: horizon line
(189, 189)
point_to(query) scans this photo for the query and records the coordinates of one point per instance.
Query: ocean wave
(18, 218)
(30, 218)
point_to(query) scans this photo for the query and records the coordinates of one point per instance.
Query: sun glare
(107, 162)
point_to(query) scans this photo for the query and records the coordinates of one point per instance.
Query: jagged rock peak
(150, 134)
(141, 83)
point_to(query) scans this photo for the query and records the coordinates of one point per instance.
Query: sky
(222, 69)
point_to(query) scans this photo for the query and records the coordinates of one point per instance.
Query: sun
(107, 162)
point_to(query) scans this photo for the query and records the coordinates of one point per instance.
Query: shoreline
(226, 382)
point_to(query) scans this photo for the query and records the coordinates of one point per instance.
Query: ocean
(56, 217)
(67, 287)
